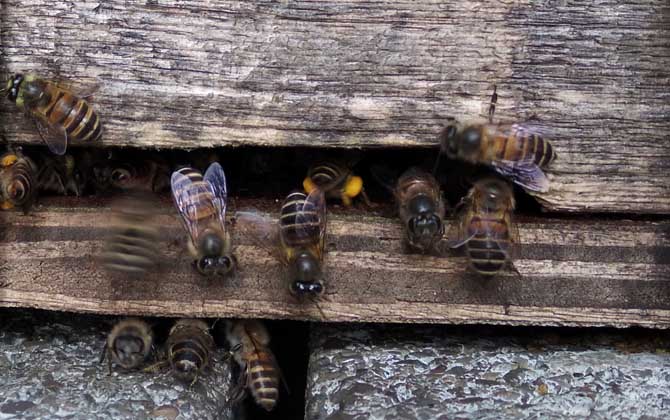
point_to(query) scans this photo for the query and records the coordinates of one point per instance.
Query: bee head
(299, 288)
(12, 87)
(210, 266)
(469, 141)
(304, 273)
(424, 229)
(121, 176)
(129, 351)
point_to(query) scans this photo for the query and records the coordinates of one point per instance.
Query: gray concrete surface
(49, 369)
(409, 372)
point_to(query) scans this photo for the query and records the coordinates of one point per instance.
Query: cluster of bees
(515, 153)
(188, 351)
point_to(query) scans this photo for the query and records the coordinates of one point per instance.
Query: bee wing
(313, 211)
(457, 235)
(526, 173)
(193, 201)
(217, 181)
(55, 139)
(261, 229)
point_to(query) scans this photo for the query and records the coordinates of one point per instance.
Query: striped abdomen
(327, 176)
(299, 221)
(201, 198)
(520, 145)
(189, 347)
(17, 180)
(263, 378)
(75, 116)
(488, 249)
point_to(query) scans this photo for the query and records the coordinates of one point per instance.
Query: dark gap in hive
(271, 173)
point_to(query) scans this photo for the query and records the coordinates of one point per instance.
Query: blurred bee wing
(217, 181)
(524, 173)
(261, 229)
(191, 200)
(54, 138)
(313, 211)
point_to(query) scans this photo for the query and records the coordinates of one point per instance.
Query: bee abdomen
(19, 189)
(188, 357)
(538, 149)
(303, 231)
(202, 204)
(325, 175)
(264, 381)
(487, 252)
(75, 116)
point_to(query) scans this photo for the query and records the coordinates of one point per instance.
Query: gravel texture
(401, 372)
(49, 369)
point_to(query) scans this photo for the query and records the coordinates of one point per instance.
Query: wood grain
(610, 272)
(369, 74)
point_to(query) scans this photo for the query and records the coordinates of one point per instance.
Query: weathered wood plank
(613, 272)
(370, 74)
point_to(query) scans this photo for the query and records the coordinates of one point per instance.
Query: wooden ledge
(575, 272)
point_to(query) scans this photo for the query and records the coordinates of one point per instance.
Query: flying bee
(17, 181)
(189, 349)
(201, 202)
(486, 228)
(513, 150)
(59, 114)
(298, 242)
(421, 208)
(250, 346)
(133, 245)
(128, 344)
(336, 181)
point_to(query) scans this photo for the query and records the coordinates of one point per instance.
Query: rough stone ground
(49, 369)
(401, 372)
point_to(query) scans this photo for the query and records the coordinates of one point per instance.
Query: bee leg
(231, 352)
(195, 379)
(156, 367)
(515, 270)
(366, 199)
(346, 200)
(492, 105)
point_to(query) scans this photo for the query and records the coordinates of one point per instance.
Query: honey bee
(201, 202)
(133, 245)
(249, 342)
(486, 228)
(299, 239)
(336, 181)
(128, 344)
(60, 175)
(59, 114)
(189, 349)
(17, 181)
(421, 208)
(513, 150)
(149, 175)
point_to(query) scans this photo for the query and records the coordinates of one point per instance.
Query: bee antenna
(437, 163)
(318, 307)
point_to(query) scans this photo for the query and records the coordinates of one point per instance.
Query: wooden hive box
(352, 75)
